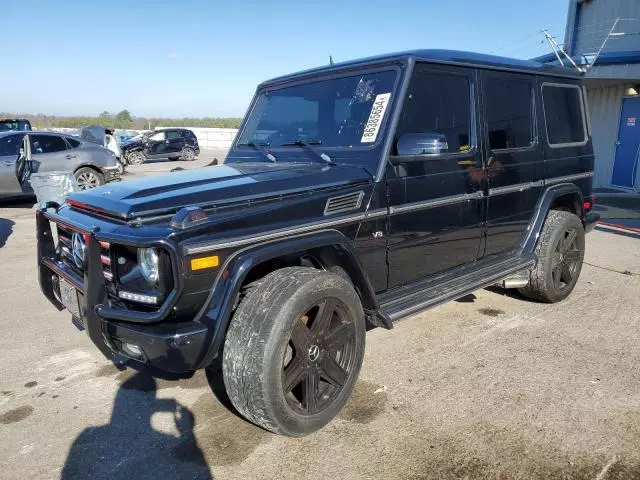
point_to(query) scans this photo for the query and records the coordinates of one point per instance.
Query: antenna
(557, 50)
(331, 62)
(610, 34)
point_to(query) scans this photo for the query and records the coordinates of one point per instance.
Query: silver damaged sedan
(91, 164)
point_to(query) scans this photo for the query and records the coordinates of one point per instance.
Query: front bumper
(176, 347)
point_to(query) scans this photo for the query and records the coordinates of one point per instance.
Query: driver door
(10, 163)
(156, 145)
(436, 197)
(14, 165)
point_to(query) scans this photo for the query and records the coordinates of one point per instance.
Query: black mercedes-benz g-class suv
(354, 194)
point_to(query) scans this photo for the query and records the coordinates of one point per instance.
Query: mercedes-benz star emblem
(314, 353)
(78, 249)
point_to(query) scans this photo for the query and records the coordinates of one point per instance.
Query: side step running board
(404, 301)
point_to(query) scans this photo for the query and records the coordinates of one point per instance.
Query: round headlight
(148, 261)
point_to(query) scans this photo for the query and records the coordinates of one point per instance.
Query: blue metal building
(603, 37)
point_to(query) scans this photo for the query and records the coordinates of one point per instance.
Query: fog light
(137, 297)
(132, 349)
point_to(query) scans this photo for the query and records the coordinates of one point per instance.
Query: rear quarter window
(564, 115)
(73, 143)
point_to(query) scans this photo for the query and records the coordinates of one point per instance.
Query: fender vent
(344, 203)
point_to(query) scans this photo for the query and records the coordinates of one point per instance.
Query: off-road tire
(556, 228)
(260, 334)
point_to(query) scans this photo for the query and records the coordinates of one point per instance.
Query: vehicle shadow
(6, 229)
(130, 447)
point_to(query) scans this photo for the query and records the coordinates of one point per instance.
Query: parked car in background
(91, 164)
(15, 124)
(171, 143)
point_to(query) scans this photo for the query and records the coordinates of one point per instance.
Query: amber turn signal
(204, 262)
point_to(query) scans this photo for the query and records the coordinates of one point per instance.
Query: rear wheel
(188, 154)
(560, 252)
(87, 178)
(294, 349)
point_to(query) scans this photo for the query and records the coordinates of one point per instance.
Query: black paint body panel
(420, 220)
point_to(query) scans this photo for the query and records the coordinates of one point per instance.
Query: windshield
(340, 112)
(15, 125)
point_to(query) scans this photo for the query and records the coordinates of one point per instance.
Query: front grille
(65, 253)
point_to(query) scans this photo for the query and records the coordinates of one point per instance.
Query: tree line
(123, 120)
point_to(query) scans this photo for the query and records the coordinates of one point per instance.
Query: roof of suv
(451, 57)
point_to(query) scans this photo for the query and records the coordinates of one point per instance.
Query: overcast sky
(205, 57)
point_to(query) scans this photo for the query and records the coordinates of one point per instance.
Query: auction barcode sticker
(375, 118)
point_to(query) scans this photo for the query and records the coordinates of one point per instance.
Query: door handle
(491, 159)
(69, 156)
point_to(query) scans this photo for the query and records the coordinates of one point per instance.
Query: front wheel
(560, 253)
(294, 350)
(88, 178)
(136, 158)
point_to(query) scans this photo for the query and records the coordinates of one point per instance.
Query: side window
(172, 134)
(509, 113)
(158, 136)
(73, 143)
(439, 104)
(47, 144)
(564, 115)
(10, 145)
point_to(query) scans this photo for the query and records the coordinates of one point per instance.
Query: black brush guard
(173, 347)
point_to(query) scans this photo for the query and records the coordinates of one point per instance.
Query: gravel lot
(491, 386)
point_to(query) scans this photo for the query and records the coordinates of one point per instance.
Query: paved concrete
(492, 386)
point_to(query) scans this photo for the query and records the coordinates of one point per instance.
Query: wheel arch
(564, 196)
(254, 262)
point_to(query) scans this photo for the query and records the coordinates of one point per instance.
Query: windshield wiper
(308, 144)
(260, 147)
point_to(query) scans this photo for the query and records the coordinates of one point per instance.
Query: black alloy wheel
(567, 259)
(319, 358)
(560, 251)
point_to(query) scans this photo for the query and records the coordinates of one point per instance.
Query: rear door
(513, 157)
(174, 142)
(50, 153)
(9, 153)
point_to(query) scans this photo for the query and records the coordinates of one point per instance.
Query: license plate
(69, 297)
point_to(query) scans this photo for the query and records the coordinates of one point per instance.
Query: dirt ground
(491, 386)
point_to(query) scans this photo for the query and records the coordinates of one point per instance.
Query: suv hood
(214, 186)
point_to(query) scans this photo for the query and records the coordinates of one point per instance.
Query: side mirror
(413, 144)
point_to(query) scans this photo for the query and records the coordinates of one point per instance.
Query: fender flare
(217, 310)
(542, 209)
